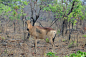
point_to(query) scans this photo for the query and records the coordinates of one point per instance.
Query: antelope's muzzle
(27, 29)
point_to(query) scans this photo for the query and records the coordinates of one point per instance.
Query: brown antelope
(41, 33)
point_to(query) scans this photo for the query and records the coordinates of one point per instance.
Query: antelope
(41, 33)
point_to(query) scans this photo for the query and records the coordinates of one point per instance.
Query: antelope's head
(28, 22)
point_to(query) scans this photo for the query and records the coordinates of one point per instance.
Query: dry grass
(17, 47)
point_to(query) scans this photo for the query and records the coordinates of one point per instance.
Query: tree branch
(40, 24)
(31, 11)
(71, 8)
(54, 22)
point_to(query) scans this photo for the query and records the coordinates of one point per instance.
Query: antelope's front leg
(35, 45)
(28, 36)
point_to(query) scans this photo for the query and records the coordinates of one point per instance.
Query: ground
(14, 45)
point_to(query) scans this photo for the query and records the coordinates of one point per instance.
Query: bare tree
(35, 10)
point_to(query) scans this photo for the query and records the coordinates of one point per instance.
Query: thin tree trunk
(63, 26)
(24, 28)
(77, 38)
(69, 31)
(2, 28)
(14, 26)
(72, 25)
(80, 22)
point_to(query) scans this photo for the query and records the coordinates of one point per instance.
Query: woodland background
(66, 16)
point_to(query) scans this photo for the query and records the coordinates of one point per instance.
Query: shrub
(78, 54)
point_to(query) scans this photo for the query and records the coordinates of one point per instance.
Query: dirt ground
(14, 45)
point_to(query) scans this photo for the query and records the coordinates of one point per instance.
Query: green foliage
(13, 6)
(28, 18)
(84, 35)
(14, 13)
(63, 40)
(58, 31)
(70, 44)
(0, 31)
(3, 38)
(41, 17)
(74, 22)
(11, 17)
(51, 54)
(4, 9)
(25, 3)
(16, 7)
(60, 9)
(77, 12)
(78, 54)
(47, 40)
(55, 8)
(5, 51)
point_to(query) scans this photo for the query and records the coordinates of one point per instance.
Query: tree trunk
(14, 26)
(24, 28)
(69, 31)
(72, 25)
(63, 26)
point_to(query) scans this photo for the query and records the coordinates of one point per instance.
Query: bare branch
(37, 15)
(31, 11)
(40, 24)
(54, 22)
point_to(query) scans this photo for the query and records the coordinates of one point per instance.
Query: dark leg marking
(54, 38)
(28, 36)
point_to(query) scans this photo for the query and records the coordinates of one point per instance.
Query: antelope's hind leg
(53, 45)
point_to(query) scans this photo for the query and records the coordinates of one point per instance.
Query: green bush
(78, 54)
(84, 35)
(47, 40)
(51, 54)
